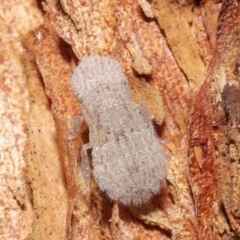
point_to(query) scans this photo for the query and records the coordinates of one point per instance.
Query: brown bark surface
(181, 57)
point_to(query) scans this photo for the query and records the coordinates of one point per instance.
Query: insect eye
(80, 98)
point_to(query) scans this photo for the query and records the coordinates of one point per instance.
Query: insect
(127, 158)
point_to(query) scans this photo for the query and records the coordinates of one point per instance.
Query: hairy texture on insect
(127, 158)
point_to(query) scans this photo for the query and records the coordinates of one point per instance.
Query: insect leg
(76, 123)
(85, 167)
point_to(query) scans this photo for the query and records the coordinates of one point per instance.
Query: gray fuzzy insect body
(127, 158)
